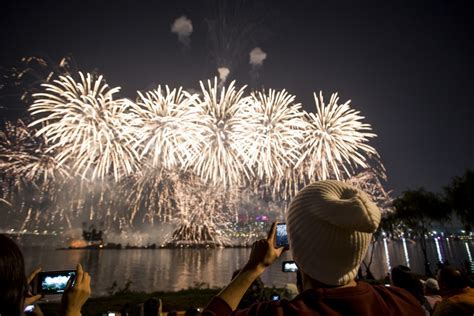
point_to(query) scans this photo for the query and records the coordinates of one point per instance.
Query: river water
(175, 269)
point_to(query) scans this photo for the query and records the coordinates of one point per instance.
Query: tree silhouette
(418, 209)
(460, 198)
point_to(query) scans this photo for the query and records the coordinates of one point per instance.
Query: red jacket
(363, 299)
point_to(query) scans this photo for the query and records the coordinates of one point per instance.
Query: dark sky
(406, 65)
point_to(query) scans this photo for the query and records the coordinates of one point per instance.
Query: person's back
(363, 299)
(458, 297)
(330, 225)
(403, 277)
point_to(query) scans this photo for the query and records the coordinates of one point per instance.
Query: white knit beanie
(330, 225)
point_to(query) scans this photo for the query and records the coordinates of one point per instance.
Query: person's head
(13, 285)
(431, 287)
(403, 277)
(192, 311)
(151, 307)
(330, 225)
(451, 279)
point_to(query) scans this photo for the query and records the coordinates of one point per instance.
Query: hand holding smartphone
(53, 282)
(281, 238)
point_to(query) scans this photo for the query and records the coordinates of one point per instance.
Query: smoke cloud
(183, 27)
(257, 56)
(223, 74)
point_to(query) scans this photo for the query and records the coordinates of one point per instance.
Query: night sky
(406, 65)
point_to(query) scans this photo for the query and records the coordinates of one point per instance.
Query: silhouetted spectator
(14, 293)
(458, 297)
(192, 311)
(432, 293)
(152, 307)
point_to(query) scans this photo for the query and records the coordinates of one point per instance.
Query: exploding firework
(31, 176)
(186, 159)
(335, 141)
(224, 134)
(204, 213)
(91, 129)
(278, 132)
(370, 180)
(165, 121)
(25, 157)
(152, 192)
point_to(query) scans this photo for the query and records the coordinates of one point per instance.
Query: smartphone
(53, 282)
(29, 308)
(275, 297)
(281, 238)
(289, 266)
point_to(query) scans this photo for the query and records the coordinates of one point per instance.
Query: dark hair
(403, 277)
(13, 285)
(151, 307)
(450, 278)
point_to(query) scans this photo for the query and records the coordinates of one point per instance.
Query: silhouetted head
(13, 285)
(403, 277)
(192, 311)
(450, 279)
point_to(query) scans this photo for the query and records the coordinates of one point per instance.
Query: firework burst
(224, 134)
(166, 129)
(177, 157)
(25, 157)
(277, 134)
(335, 141)
(89, 128)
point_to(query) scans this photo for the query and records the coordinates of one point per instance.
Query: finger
(32, 299)
(86, 281)
(79, 274)
(69, 284)
(32, 275)
(271, 233)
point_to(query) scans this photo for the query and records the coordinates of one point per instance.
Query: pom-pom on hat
(330, 225)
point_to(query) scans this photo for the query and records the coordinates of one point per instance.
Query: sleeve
(217, 306)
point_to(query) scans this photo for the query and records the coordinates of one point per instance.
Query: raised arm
(263, 254)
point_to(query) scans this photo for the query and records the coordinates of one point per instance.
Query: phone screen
(289, 266)
(281, 236)
(275, 297)
(54, 282)
(29, 308)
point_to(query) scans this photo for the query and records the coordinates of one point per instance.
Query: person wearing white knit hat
(330, 225)
(335, 222)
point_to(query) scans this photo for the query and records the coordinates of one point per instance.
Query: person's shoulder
(396, 296)
(265, 308)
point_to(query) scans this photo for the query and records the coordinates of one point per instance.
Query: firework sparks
(25, 157)
(278, 132)
(165, 121)
(336, 140)
(370, 181)
(177, 157)
(91, 129)
(224, 135)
